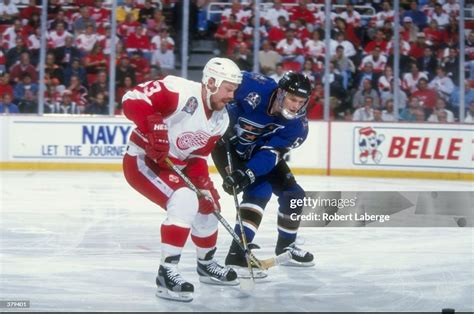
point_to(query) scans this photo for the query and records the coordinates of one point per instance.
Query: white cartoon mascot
(369, 143)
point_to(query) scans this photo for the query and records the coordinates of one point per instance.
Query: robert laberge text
(365, 217)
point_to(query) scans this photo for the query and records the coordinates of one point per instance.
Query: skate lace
(216, 269)
(175, 276)
(296, 251)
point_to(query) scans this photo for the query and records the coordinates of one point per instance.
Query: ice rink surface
(86, 241)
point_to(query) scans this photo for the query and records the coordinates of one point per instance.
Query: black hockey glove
(239, 179)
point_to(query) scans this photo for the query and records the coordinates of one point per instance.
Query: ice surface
(83, 241)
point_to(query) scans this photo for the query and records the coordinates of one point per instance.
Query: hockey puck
(447, 311)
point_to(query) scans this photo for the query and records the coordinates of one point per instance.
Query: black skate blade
(214, 281)
(166, 294)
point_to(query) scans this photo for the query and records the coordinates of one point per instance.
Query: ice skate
(170, 284)
(299, 257)
(236, 259)
(211, 272)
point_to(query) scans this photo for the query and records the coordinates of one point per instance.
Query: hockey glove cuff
(209, 201)
(239, 179)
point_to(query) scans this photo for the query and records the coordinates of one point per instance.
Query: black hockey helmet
(296, 84)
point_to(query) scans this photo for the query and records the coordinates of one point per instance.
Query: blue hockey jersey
(263, 138)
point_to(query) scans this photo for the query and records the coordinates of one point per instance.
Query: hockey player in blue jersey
(266, 121)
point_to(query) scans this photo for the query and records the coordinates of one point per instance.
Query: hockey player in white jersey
(181, 120)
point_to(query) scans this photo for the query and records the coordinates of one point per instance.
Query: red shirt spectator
(5, 87)
(426, 95)
(277, 33)
(302, 12)
(138, 40)
(28, 11)
(379, 41)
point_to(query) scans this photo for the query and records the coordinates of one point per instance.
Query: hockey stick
(250, 284)
(261, 264)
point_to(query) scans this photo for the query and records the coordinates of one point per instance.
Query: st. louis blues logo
(191, 105)
(253, 99)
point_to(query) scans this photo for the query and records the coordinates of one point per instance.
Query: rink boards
(404, 150)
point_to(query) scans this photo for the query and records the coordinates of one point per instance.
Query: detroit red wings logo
(192, 139)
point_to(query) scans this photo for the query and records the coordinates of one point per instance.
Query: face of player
(293, 103)
(224, 94)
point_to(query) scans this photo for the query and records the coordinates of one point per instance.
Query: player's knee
(183, 206)
(288, 200)
(204, 225)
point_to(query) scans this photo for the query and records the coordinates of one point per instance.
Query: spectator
(365, 112)
(7, 106)
(408, 31)
(156, 24)
(419, 115)
(84, 21)
(386, 15)
(25, 94)
(377, 59)
(95, 62)
(249, 30)
(349, 50)
(65, 105)
(101, 85)
(451, 65)
(426, 95)
(314, 47)
(237, 10)
(470, 54)
(388, 115)
(442, 83)
(75, 68)
(124, 69)
(290, 48)
(57, 38)
(67, 53)
(417, 48)
(13, 54)
(86, 41)
(451, 7)
(402, 97)
(138, 40)
(316, 103)
(146, 12)
(410, 80)
(279, 72)
(235, 42)
(367, 90)
(336, 84)
(226, 31)
(470, 113)
(307, 70)
(440, 16)
(345, 66)
(268, 58)
(418, 17)
(128, 26)
(98, 13)
(141, 65)
(428, 63)
(5, 87)
(33, 45)
(127, 8)
(79, 93)
(164, 58)
(301, 11)
(99, 106)
(350, 16)
(454, 100)
(275, 12)
(434, 34)
(61, 17)
(52, 69)
(20, 69)
(379, 41)
(384, 82)
(8, 12)
(377, 113)
(11, 34)
(128, 85)
(277, 33)
(409, 114)
(29, 10)
(367, 73)
(440, 113)
(242, 57)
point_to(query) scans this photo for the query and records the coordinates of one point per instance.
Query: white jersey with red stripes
(193, 130)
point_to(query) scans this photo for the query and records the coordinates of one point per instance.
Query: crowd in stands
(77, 61)
(292, 38)
(362, 53)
